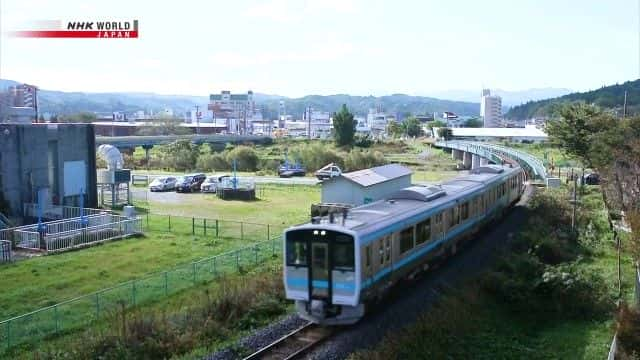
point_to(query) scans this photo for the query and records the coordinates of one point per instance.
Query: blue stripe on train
(302, 282)
(380, 274)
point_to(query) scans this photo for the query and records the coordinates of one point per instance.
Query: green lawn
(30, 284)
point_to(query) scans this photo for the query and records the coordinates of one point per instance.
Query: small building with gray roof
(365, 186)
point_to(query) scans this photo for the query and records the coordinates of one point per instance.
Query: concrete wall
(32, 157)
(342, 190)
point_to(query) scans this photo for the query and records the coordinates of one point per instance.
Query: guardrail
(5, 251)
(497, 153)
(82, 311)
(69, 234)
(59, 212)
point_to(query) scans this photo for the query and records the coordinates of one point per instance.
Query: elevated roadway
(474, 153)
(130, 142)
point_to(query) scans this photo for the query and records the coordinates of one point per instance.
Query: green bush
(314, 156)
(246, 158)
(362, 159)
(212, 162)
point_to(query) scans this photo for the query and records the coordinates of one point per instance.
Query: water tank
(111, 155)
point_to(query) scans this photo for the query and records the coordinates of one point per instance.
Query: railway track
(295, 344)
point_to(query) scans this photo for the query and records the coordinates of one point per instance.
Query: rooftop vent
(487, 169)
(419, 193)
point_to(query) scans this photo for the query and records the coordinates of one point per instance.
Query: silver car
(163, 183)
(210, 184)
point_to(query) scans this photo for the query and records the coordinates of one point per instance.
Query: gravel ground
(407, 303)
(261, 338)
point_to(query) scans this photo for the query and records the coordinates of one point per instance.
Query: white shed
(365, 186)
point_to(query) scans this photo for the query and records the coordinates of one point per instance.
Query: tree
(436, 124)
(412, 127)
(182, 155)
(164, 126)
(394, 129)
(344, 127)
(445, 133)
(473, 123)
(81, 117)
(575, 128)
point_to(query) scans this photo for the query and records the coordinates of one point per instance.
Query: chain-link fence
(82, 311)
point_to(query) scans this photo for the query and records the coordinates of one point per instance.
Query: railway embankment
(551, 294)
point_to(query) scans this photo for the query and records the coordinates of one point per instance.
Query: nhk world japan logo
(83, 29)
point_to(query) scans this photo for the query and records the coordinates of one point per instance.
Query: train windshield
(339, 248)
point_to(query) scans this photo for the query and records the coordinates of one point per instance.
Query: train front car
(321, 267)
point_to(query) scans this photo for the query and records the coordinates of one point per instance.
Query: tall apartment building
(237, 109)
(377, 121)
(491, 109)
(19, 104)
(318, 123)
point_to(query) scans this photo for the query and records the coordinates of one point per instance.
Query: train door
(320, 281)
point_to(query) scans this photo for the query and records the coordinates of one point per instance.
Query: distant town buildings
(318, 123)
(491, 109)
(377, 121)
(239, 111)
(19, 104)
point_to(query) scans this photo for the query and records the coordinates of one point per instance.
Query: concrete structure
(238, 109)
(56, 160)
(377, 121)
(19, 104)
(364, 186)
(126, 128)
(318, 123)
(491, 109)
(529, 133)
(496, 154)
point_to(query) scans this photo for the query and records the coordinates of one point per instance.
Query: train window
(464, 211)
(381, 250)
(454, 216)
(387, 244)
(423, 231)
(439, 218)
(406, 240)
(343, 253)
(368, 256)
(296, 252)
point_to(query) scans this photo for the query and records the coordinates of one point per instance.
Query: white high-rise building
(491, 109)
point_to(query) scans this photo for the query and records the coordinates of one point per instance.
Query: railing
(69, 234)
(80, 312)
(495, 153)
(5, 251)
(59, 212)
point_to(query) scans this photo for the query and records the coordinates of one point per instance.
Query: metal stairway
(4, 222)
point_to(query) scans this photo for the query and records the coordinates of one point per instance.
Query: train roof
(403, 204)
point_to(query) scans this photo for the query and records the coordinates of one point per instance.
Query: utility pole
(575, 202)
(624, 106)
(198, 119)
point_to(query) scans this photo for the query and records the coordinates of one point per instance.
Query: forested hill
(60, 102)
(611, 97)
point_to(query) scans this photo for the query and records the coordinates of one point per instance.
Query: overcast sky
(298, 47)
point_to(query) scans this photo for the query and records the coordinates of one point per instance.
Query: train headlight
(323, 233)
(315, 232)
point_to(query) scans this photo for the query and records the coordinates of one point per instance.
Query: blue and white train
(336, 266)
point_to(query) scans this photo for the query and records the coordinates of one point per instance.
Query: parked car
(190, 183)
(288, 170)
(591, 179)
(328, 172)
(211, 183)
(163, 183)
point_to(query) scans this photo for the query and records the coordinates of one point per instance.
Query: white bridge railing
(59, 212)
(73, 233)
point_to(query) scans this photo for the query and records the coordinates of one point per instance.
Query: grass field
(43, 281)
